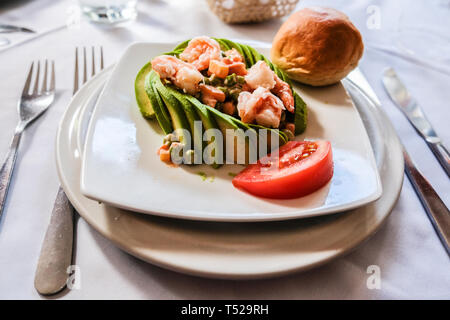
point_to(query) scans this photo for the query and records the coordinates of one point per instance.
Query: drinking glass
(109, 11)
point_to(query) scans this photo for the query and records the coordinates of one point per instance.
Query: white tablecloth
(412, 261)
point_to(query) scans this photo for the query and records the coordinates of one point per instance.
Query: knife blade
(401, 97)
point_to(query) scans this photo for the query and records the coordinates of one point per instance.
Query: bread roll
(317, 46)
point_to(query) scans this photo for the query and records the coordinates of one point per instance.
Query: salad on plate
(220, 102)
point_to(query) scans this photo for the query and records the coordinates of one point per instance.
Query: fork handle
(8, 168)
(435, 208)
(442, 155)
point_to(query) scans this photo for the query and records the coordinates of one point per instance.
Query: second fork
(56, 257)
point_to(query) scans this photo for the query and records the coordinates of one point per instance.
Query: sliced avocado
(159, 108)
(255, 54)
(226, 122)
(191, 114)
(247, 55)
(207, 121)
(143, 101)
(192, 117)
(223, 45)
(182, 45)
(232, 44)
(301, 114)
(176, 111)
(206, 118)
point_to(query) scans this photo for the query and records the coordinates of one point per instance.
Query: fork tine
(101, 57)
(26, 87)
(85, 66)
(36, 82)
(52, 79)
(75, 81)
(44, 83)
(93, 62)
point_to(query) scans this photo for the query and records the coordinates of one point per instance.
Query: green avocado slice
(176, 112)
(255, 54)
(192, 117)
(206, 118)
(301, 114)
(247, 55)
(143, 101)
(158, 106)
(231, 45)
(223, 45)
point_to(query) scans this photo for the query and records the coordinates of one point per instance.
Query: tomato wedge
(303, 167)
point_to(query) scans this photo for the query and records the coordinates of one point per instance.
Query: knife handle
(441, 154)
(56, 253)
(435, 208)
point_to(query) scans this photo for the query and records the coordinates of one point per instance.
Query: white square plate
(120, 165)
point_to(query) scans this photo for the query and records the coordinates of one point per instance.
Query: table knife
(409, 106)
(437, 211)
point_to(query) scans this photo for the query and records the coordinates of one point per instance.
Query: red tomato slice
(303, 167)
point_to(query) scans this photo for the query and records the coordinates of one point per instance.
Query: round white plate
(232, 250)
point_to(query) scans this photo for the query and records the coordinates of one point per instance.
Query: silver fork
(31, 105)
(56, 256)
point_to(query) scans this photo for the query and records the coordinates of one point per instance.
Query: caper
(224, 90)
(240, 79)
(230, 80)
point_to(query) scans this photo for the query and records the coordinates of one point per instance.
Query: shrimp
(260, 75)
(200, 51)
(232, 56)
(261, 107)
(284, 92)
(184, 75)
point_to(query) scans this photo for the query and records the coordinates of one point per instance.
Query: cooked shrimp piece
(284, 92)
(188, 79)
(232, 56)
(200, 51)
(183, 75)
(235, 62)
(261, 107)
(260, 75)
(210, 95)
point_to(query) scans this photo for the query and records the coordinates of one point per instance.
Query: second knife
(408, 105)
